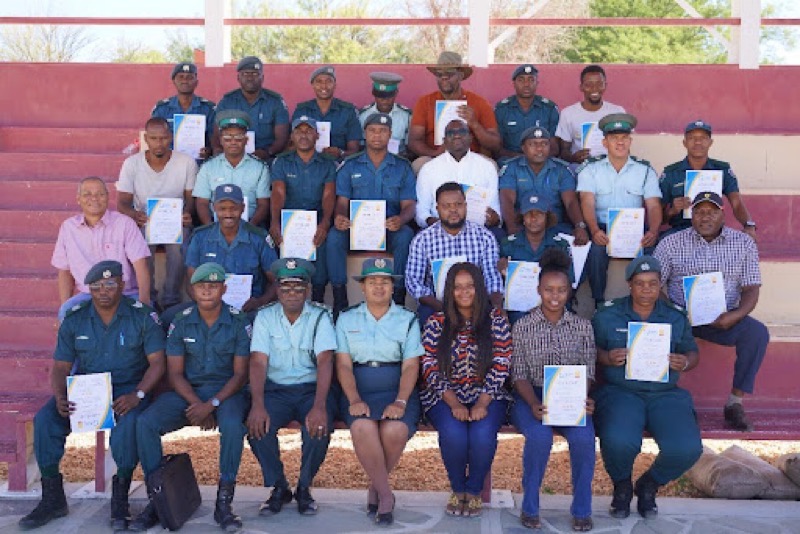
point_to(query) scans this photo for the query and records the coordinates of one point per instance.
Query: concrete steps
(29, 293)
(47, 194)
(79, 140)
(26, 258)
(28, 331)
(59, 166)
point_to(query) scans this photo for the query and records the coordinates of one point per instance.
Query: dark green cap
(617, 123)
(642, 264)
(228, 118)
(292, 270)
(103, 271)
(384, 84)
(209, 272)
(377, 267)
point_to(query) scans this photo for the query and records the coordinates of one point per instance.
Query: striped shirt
(538, 342)
(463, 380)
(686, 253)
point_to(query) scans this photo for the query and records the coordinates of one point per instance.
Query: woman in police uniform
(377, 363)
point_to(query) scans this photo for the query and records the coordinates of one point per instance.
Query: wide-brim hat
(451, 60)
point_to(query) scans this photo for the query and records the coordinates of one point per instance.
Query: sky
(157, 37)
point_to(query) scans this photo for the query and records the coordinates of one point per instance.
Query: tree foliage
(128, 51)
(43, 43)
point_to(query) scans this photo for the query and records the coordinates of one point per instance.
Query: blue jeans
(467, 447)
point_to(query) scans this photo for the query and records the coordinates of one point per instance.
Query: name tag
(512, 123)
(622, 330)
(189, 340)
(211, 254)
(354, 331)
(82, 337)
(291, 175)
(357, 175)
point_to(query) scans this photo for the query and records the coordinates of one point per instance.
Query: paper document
(367, 225)
(239, 289)
(564, 395)
(625, 232)
(446, 112)
(190, 134)
(92, 395)
(705, 297)
(164, 221)
(648, 352)
(298, 228)
(522, 286)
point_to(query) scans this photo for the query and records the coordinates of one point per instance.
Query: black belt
(375, 364)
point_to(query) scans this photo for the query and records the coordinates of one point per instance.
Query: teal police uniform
(169, 107)
(512, 120)
(342, 116)
(401, 120)
(251, 175)
(268, 110)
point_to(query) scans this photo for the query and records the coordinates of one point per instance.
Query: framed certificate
(522, 286)
(648, 352)
(701, 182)
(705, 297)
(445, 112)
(164, 221)
(298, 228)
(564, 395)
(367, 225)
(625, 232)
(92, 395)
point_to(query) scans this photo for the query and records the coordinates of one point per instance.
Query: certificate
(92, 395)
(564, 395)
(625, 232)
(367, 225)
(324, 131)
(700, 182)
(592, 138)
(705, 297)
(446, 111)
(579, 255)
(298, 228)
(394, 146)
(190, 134)
(250, 147)
(477, 202)
(522, 283)
(439, 270)
(164, 221)
(648, 352)
(239, 288)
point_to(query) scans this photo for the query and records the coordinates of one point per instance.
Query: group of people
(460, 359)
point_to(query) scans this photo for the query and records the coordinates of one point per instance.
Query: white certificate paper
(92, 395)
(579, 255)
(190, 134)
(324, 131)
(439, 270)
(298, 228)
(564, 395)
(239, 288)
(522, 283)
(446, 111)
(367, 225)
(250, 147)
(394, 146)
(592, 138)
(164, 221)
(648, 352)
(701, 182)
(625, 232)
(705, 297)
(477, 202)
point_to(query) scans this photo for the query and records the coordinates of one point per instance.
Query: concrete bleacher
(51, 135)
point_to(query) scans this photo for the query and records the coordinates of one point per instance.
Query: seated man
(76, 251)
(159, 172)
(374, 174)
(345, 130)
(290, 376)
(208, 353)
(697, 141)
(452, 236)
(710, 246)
(233, 166)
(624, 408)
(523, 110)
(537, 174)
(617, 181)
(385, 89)
(450, 71)
(109, 334)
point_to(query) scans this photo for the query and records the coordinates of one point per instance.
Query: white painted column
(218, 35)
(478, 13)
(745, 42)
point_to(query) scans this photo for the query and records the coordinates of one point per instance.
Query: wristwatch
(140, 394)
(215, 402)
(750, 224)
(581, 225)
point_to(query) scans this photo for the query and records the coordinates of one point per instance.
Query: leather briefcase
(176, 494)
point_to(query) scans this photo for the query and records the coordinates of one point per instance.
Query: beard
(454, 225)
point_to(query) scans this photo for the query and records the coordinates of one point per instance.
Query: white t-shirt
(138, 178)
(574, 116)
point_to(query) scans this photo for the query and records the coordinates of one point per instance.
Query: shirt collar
(105, 219)
(721, 238)
(240, 234)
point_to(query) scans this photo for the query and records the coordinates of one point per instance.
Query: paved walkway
(342, 511)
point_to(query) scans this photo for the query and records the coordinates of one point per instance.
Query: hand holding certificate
(298, 228)
(446, 111)
(164, 221)
(439, 269)
(92, 395)
(625, 232)
(700, 182)
(367, 225)
(239, 288)
(648, 352)
(324, 139)
(592, 138)
(190, 134)
(522, 283)
(705, 297)
(564, 395)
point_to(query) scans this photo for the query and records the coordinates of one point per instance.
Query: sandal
(582, 525)
(473, 507)
(455, 504)
(530, 521)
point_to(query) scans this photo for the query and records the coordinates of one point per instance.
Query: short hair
(449, 186)
(92, 179)
(593, 69)
(555, 260)
(156, 121)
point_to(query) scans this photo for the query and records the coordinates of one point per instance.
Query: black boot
(646, 489)
(318, 293)
(52, 506)
(223, 513)
(621, 502)
(147, 518)
(339, 300)
(306, 504)
(120, 512)
(399, 296)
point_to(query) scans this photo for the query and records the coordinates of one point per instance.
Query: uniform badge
(186, 68)
(228, 189)
(291, 264)
(137, 304)
(617, 125)
(187, 311)
(699, 123)
(380, 263)
(76, 308)
(707, 195)
(106, 274)
(537, 133)
(383, 120)
(381, 87)
(609, 303)
(533, 200)
(155, 318)
(249, 330)
(645, 267)
(527, 70)
(213, 277)
(171, 328)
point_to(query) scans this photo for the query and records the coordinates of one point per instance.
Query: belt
(375, 364)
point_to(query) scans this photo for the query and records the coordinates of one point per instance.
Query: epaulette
(305, 104)
(328, 157)
(137, 304)
(365, 108)
(674, 306)
(207, 101)
(234, 311)
(78, 306)
(184, 314)
(642, 161)
(285, 153)
(349, 308)
(512, 237)
(611, 303)
(162, 102)
(202, 228)
(253, 229)
(261, 161)
(503, 103)
(321, 306)
(272, 93)
(673, 166)
(346, 104)
(401, 158)
(546, 101)
(560, 161)
(721, 165)
(231, 93)
(404, 108)
(352, 156)
(588, 161)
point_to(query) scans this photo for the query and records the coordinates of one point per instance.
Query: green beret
(209, 272)
(292, 270)
(642, 264)
(103, 271)
(228, 118)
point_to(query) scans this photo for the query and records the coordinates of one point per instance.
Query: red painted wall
(663, 97)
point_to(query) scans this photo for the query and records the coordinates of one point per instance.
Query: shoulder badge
(249, 329)
(642, 161)
(719, 164)
(78, 306)
(560, 162)
(137, 304)
(512, 237)
(156, 319)
(353, 156)
(170, 329)
(404, 108)
(233, 310)
(187, 311)
(503, 170)
(364, 108)
(672, 167)
(504, 101)
(253, 229)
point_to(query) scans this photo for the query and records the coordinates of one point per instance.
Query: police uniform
(401, 119)
(169, 107)
(512, 120)
(342, 116)
(251, 175)
(268, 110)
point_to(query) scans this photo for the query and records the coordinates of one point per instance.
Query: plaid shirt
(434, 243)
(538, 342)
(686, 253)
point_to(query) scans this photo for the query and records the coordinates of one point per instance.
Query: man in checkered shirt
(707, 247)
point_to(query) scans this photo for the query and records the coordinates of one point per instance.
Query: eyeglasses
(457, 131)
(108, 284)
(229, 138)
(445, 73)
(292, 289)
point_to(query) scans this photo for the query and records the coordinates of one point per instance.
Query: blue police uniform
(208, 354)
(401, 120)
(512, 120)
(169, 107)
(269, 110)
(251, 175)
(342, 116)
(625, 408)
(290, 388)
(358, 179)
(121, 348)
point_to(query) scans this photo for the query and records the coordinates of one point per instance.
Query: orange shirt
(424, 115)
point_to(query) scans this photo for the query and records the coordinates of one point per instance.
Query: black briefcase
(176, 494)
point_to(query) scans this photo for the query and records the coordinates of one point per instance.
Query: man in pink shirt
(95, 235)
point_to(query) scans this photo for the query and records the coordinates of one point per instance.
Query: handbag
(176, 494)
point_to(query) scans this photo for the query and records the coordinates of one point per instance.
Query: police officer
(616, 181)
(525, 109)
(291, 367)
(341, 117)
(234, 166)
(537, 174)
(184, 78)
(303, 179)
(109, 334)
(374, 174)
(208, 353)
(269, 116)
(385, 89)
(625, 407)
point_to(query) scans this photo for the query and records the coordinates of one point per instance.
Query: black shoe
(280, 495)
(223, 513)
(646, 489)
(339, 300)
(736, 419)
(52, 506)
(120, 511)
(621, 502)
(318, 293)
(387, 518)
(147, 518)
(399, 296)
(306, 504)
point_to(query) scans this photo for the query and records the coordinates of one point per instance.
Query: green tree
(180, 48)
(136, 52)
